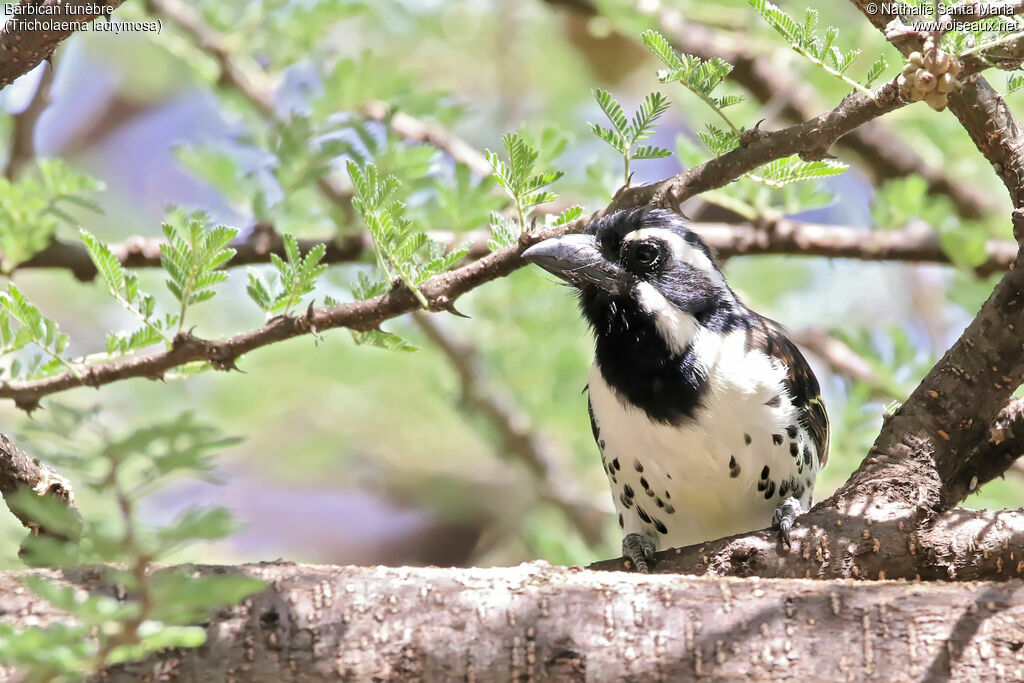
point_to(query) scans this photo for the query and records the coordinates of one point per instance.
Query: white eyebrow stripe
(681, 250)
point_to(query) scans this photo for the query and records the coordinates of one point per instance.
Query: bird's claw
(639, 550)
(784, 518)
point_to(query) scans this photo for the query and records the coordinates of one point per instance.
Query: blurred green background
(361, 455)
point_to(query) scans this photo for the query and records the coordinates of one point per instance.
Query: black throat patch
(637, 363)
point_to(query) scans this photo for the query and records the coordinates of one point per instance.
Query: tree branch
(885, 154)
(19, 473)
(536, 622)
(923, 449)
(961, 545)
(22, 48)
(915, 243)
(811, 138)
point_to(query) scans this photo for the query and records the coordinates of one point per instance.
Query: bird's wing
(770, 338)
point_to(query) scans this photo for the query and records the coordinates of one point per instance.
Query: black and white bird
(709, 420)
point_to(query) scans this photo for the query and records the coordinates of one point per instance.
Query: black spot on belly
(807, 455)
(669, 509)
(616, 465)
(660, 526)
(764, 472)
(791, 431)
(668, 496)
(771, 490)
(794, 449)
(626, 501)
(622, 525)
(762, 485)
(774, 401)
(777, 439)
(642, 515)
(628, 490)
(734, 468)
(783, 488)
(646, 487)
(746, 437)
(660, 503)
(638, 466)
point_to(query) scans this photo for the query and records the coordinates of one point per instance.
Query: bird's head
(634, 263)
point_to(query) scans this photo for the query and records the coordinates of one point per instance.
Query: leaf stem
(829, 70)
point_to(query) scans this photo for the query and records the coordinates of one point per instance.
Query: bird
(709, 420)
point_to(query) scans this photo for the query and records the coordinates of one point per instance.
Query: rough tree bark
(537, 622)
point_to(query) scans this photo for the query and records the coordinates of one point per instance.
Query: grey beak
(577, 260)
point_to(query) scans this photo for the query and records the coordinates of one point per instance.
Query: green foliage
(21, 324)
(793, 169)
(384, 340)
(295, 277)
(403, 252)
(876, 70)
(32, 207)
(772, 189)
(465, 205)
(901, 201)
(701, 77)
(518, 177)
(504, 231)
(1014, 83)
(717, 140)
(626, 133)
(192, 256)
(821, 50)
(157, 608)
(907, 201)
(123, 285)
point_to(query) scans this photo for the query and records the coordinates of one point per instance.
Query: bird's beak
(577, 260)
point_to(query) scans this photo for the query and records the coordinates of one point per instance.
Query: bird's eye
(645, 254)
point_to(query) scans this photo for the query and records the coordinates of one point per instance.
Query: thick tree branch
(961, 545)
(923, 448)
(536, 622)
(19, 473)
(520, 439)
(22, 47)
(881, 151)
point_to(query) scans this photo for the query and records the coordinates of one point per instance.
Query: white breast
(702, 480)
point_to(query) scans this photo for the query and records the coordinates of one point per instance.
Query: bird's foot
(784, 518)
(639, 550)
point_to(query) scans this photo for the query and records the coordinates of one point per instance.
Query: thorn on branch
(183, 339)
(29, 405)
(752, 136)
(226, 364)
(90, 378)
